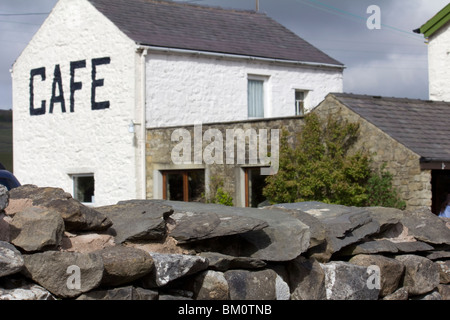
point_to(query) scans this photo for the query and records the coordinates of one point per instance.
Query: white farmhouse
(437, 31)
(100, 74)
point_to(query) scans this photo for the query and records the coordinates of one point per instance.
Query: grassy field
(6, 146)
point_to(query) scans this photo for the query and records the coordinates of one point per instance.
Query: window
(84, 188)
(255, 98)
(300, 102)
(254, 185)
(188, 186)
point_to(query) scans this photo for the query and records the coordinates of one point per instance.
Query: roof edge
(239, 56)
(436, 22)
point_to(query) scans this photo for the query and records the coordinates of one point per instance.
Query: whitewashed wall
(50, 147)
(439, 65)
(185, 89)
(180, 90)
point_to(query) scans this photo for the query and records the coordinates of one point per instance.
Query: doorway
(440, 187)
(184, 185)
(254, 185)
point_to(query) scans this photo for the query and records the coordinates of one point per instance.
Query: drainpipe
(143, 131)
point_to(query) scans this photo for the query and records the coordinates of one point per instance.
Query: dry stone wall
(163, 250)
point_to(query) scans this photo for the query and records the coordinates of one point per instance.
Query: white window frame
(265, 80)
(305, 95)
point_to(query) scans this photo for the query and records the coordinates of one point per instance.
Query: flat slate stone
(283, 237)
(137, 220)
(370, 247)
(316, 228)
(222, 262)
(195, 226)
(425, 226)
(385, 246)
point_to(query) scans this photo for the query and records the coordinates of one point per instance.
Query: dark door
(440, 187)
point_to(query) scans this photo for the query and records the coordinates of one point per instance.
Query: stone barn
(409, 136)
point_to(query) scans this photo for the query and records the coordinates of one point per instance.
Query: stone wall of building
(160, 146)
(413, 184)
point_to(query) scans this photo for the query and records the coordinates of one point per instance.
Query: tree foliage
(217, 193)
(321, 168)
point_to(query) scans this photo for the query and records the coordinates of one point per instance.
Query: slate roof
(212, 29)
(422, 126)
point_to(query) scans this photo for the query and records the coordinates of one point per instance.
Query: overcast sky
(391, 61)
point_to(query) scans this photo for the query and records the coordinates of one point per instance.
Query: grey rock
(28, 291)
(421, 274)
(316, 228)
(386, 217)
(168, 267)
(37, 229)
(444, 272)
(170, 297)
(4, 197)
(190, 226)
(5, 227)
(222, 262)
(124, 265)
(137, 220)
(438, 254)
(444, 290)
(123, 293)
(306, 279)
(284, 238)
(433, 295)
(399, 294)
(211, 285)
(425, 226)
(370, 247)
(11, 260)
(344, 226)
(194, 226)
(54, 271)
(317, 209)
(348, 228)
(413, 246)
(385, 246)
(282, 289)
(77, 217)
(346, 281)
(252, 285)
(391, 270)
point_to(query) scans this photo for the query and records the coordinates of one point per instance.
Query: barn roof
(422, 126)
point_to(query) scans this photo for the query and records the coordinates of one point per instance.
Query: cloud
(394, 76)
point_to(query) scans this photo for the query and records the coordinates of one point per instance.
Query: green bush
(321, 168)
(223, 197)
(218, 194)
(381, 192)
